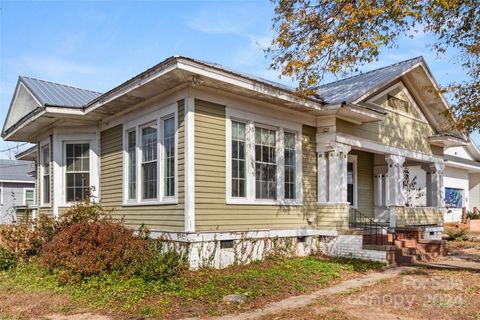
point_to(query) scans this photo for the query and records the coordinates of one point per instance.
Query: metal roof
(56, 94)
(16, 170)
(350, 89)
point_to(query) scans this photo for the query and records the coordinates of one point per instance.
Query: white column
(332, 173)
(436, 185)
(322, 178)
(395, 180)
(189, 164)
(380, 186)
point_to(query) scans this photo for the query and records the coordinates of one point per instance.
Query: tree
(319, 37)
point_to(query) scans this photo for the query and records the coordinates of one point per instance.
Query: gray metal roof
(350, 89)
(16, 170)
(55, 94)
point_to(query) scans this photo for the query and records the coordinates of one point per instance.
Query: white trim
(18, 181)
(240, 235)
(157, 116)
(25, 189)
(59, 140)
(189, 158)
(1, 193)
(42, 144)
(372, 146)
(253, 120)
(353, 159)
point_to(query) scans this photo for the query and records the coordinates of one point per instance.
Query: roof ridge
(60, 84)
(370, 71)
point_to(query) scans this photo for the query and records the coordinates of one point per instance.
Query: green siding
(155, 217)
(211, 211)
(365, 182)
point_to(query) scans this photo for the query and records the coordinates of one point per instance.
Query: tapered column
(437, 192)
(332, 173)
(395, 180)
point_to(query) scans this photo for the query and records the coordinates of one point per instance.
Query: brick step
(409, 243)
(406, 251)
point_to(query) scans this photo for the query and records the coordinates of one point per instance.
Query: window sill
(150, 203)
(263, 202)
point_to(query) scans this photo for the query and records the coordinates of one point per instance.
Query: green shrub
(161, 266)
(7, 259)
(457, 234)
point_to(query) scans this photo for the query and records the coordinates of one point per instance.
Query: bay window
(263, 162)
(238, 159)
(77, 156)
(150, 158)
(290, 165)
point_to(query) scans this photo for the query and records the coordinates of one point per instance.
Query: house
(461, 180)
(232, 166)
(17, 190)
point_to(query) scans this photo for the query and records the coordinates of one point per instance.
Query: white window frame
(25, 196)
(159, 117)
(253, 120)
(1, 194)
(65, 172)
(45, 143)
(353, 159)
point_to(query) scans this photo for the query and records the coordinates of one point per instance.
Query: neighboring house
(206, 156)
(461, 181)
(17, 190)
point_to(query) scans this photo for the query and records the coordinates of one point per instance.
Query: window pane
(265, 164)
(46, 174)
(169, 165)
(149, 142)
(29, 199)
(290, 165)
(350, 182)
(132, 165)
(77, 176)
(238, 159)
(149, 180)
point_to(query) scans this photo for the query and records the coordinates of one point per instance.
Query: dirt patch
(423, 294)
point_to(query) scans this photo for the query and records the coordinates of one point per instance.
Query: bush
(161, 266)
(91, 247)
(7, 259)
(457, 234)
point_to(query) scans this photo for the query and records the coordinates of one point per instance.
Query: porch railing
(375, 233)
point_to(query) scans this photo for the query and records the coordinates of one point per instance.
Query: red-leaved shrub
(90, 247)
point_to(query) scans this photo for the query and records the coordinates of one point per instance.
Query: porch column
(395, 180)
(435, 189)
(381, 186)
(332, 173)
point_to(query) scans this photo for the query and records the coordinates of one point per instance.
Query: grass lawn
(30, 292)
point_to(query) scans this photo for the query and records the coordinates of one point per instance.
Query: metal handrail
(378, 233)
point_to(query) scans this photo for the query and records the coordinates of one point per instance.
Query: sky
(97, 45)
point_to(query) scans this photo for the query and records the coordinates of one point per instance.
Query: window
(265, 164)
(352, 180)
(149, 161)
(238, 160)
(290, 165)
(169, 163)
(453, 198)
(29, 197)
(77, 156)
(45, 169)
(150, 158)
(132, 164)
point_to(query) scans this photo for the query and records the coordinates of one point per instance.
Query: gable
(23, 103)
(398, 99)
(461, 152)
